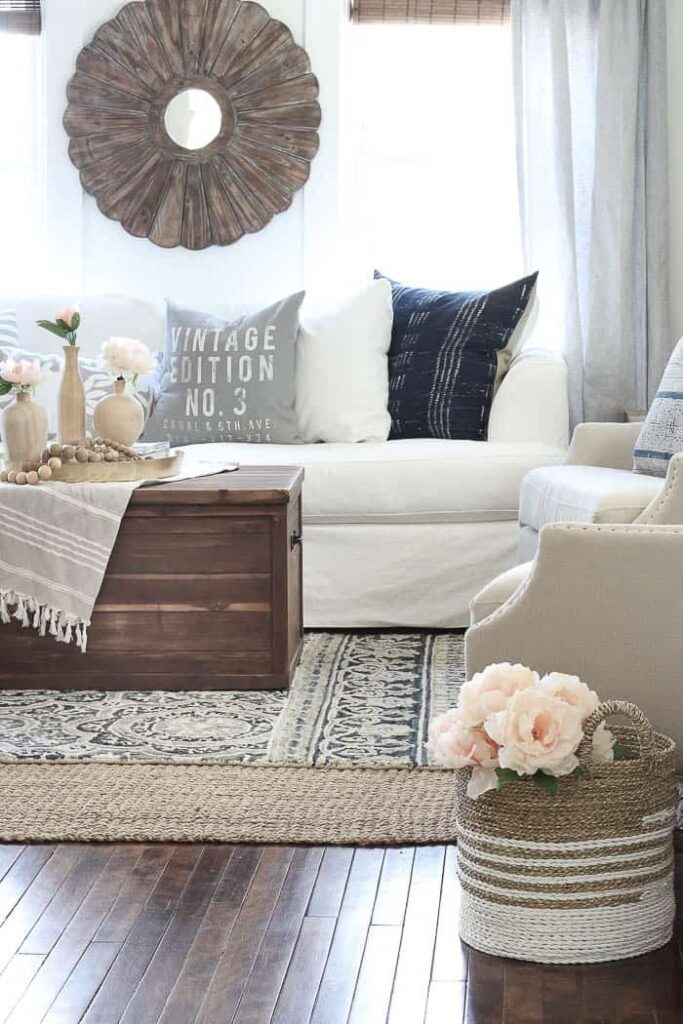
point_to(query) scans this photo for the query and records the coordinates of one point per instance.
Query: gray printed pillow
(224, 380)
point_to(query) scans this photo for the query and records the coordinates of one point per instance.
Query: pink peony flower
(127, 357)
(572, 691)
(603, 745)
(66, 314)
(490, 690)
(536, 732)
(452, 744)
(22, 373)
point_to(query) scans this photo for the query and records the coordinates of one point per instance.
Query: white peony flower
(603, 745)
(452, 744)
(490, 690)
(23, 373)
(572, 691)
(536, 732)
(482, 780)
(126, 357)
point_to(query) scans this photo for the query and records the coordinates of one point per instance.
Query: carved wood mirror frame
(144, 57)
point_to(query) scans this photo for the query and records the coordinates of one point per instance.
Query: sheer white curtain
(590, 98)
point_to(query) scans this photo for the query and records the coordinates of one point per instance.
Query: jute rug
(340, 759)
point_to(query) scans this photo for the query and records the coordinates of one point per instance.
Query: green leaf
(547, 782)
(64, 325)
(75, 322)
(5, 387)
(47, 325)
(622, 753)
(506, 776)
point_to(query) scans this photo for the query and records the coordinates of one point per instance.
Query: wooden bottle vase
(71, 400)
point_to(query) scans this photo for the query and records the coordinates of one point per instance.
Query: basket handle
(644, 731)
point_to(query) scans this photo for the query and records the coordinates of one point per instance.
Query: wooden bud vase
(119, 417)
(71, 400)
(24, 431)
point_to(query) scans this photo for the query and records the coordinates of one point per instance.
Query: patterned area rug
(339, 760)
(359, 699)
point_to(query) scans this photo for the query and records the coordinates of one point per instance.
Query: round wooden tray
(116, 472)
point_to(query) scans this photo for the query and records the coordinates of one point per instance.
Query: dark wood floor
(219, 934)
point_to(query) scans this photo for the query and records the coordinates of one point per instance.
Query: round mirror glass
(193, 119)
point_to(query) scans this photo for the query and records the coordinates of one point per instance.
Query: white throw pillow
(342, 377)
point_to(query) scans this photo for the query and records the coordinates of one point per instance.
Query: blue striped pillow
(444, 357)
(662, 433)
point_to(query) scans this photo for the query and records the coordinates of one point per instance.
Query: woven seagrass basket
(580, 877)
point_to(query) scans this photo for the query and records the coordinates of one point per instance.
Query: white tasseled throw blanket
(54, 548)
(55, 543)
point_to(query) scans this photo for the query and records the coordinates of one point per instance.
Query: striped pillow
(662, 433)
(9, 335)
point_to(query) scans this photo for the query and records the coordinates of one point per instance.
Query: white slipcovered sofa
(397, 533)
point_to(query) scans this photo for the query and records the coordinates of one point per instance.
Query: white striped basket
(581, 877)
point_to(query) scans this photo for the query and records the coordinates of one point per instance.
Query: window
(428, 148)
(22, 186)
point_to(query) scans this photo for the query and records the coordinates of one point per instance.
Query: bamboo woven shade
(21, 16)
(466, 12)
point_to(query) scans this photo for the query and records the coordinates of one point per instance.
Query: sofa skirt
(418, 575)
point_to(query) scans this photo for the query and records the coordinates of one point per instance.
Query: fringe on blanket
(63, 627)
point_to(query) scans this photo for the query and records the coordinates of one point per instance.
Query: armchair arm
(604, 603)
(667, 508)
(531, 404)
(609, 445)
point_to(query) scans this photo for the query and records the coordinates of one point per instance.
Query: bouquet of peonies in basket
(511, 724)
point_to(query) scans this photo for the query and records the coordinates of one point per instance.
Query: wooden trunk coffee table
(202, 591)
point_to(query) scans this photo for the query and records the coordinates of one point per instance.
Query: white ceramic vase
(24, 431)
(119, 417)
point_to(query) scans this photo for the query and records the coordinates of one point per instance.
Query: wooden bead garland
(98, 449)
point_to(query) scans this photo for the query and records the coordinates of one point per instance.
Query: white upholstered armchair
(603, 597)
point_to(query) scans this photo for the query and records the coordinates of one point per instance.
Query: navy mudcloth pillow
(444, 357)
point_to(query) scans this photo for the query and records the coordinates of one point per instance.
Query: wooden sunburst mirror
(193, 122)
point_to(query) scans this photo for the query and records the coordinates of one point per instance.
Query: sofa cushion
(584, 494)
(413, 481)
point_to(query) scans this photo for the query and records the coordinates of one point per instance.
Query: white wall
(675, 40)
(92, 254)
